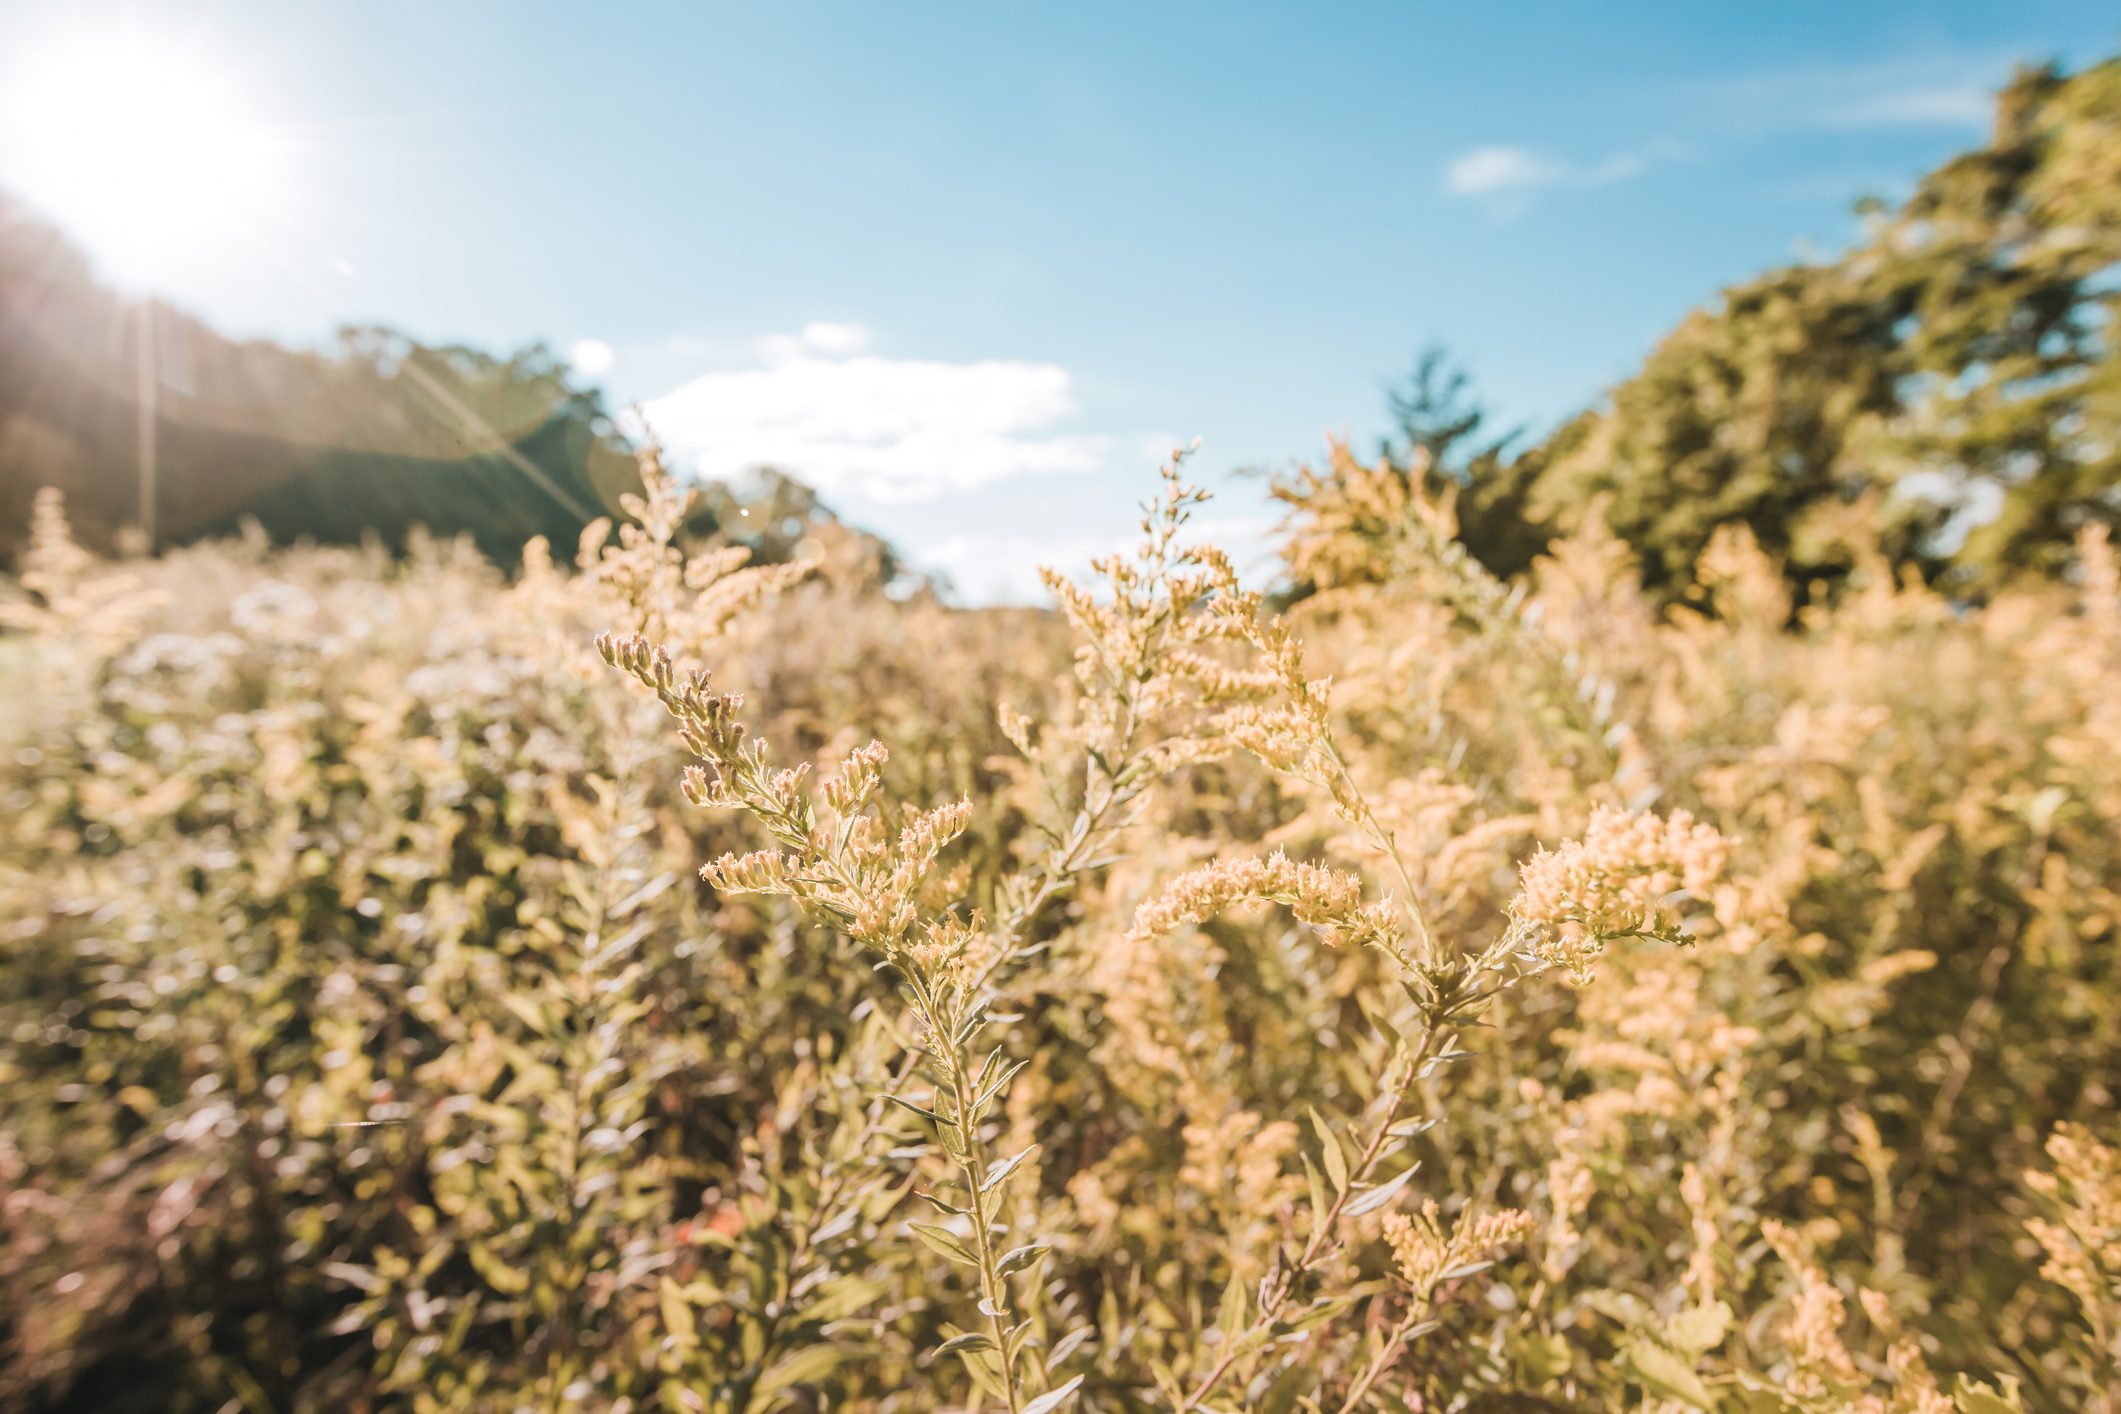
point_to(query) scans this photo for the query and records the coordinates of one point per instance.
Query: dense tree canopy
(1947, 391)
(1445, 438)
(1957, 370)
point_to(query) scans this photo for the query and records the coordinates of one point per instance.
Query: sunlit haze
(145, 150)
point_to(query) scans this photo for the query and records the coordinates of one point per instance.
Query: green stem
(995, 1294)
(1385, 1358)
(1324, 1233)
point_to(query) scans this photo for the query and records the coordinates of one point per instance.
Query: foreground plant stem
(1366, 820)
(1387, 1357)
(1106, 790)
(995, 1296)
(1325, 1235)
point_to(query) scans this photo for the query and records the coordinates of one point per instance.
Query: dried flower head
(1817, 1310)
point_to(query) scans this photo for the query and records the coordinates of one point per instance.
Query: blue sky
(969, 266)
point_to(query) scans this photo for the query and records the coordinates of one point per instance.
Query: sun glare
(146, 155)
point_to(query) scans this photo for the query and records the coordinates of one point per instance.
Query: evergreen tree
(1444, 436)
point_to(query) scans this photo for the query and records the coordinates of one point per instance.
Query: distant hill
(374, 437)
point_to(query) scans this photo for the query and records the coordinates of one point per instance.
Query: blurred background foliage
(370, 439)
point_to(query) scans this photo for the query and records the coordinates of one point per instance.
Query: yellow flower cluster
(1813, 1333)
(1330, 900)
(841, 863)
(655, 1132)
(2083, 1249)
(1617, 881)
(1428, 1256)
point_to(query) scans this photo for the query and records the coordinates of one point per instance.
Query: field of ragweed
(1437, 994)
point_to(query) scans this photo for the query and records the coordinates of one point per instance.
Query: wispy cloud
(1965, 106)
(1508, 176)
(1926, 90)
(820, 406)
(1937, 89)
(1487, 170)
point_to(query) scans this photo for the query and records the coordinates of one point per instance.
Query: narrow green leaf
(802, 1366)
(1318, 1190)
(923, 1113)
(1068, 1344)
(528, 1012)
(1314, 1314)
(1665, 1375)
(944, 1241)
(1053, 1398)
(677, 1312)
(985, 1368)
(999, 1174)
(1371, 1199)
(1336, 1159)
(1463, 1270)
(1234, 1317)
(1018, 1258)
(842, 1297)
(993, 1089)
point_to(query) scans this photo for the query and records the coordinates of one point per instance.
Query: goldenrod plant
(653, 981)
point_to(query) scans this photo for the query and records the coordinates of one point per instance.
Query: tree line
(1948, 389)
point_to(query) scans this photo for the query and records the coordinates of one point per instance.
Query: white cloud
(991, 567)
(1486, 170)
(592, 356)
(1507, 176)
(825, 410)
(1966, 106)
(1941, 89)
(819, 336)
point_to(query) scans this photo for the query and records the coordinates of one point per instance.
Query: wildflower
(951, 947)
(1813, 1332)
(764, 871)
(1330, 900)
(1569, 1187)
(1427, 1256)
(2083, 1250)
(1617, 881)
(1700, 1278)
